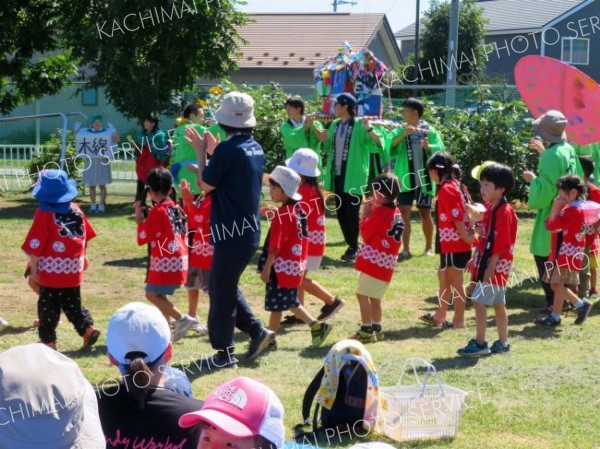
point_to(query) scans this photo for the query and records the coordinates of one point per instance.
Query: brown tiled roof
(303, 41)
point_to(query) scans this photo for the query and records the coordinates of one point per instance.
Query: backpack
(348, 365)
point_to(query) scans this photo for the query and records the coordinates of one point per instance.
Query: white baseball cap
(137, 327)
(289, 181)
(237, 111)
(305, 162)
(242, 408)
(46, 402)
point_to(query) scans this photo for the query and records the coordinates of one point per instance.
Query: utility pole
(417, 24)
(452, 55)
(342, 2)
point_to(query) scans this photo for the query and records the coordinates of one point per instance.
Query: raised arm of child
(186, 194)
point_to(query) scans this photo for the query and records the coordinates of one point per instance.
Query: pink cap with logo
(242, 408)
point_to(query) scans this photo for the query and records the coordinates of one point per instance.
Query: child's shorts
(197, 279)
(313, 263)
(458, 261)
(371, 287)
(560, 275)
(489, 294)
(161, 289)
(279, 299)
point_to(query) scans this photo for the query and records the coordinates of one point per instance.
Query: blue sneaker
(546, 320)
(499, 348)
(474, 349)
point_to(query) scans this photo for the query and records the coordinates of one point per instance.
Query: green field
(544, 394)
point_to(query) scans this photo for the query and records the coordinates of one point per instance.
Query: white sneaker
(182, 326)
(3, 324)
(200, 328)
(93, 207)
(101, 208)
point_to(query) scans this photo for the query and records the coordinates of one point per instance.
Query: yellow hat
(476, 172)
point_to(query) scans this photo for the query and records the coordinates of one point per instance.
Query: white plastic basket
(422, 411)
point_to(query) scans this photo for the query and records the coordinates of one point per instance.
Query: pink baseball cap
(242, 408)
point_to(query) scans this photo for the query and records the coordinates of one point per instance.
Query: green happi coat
(216, 130)
(556, 161)
(402, 166)
(294, 138)
(184, 152)
(357, 165)
(593, 150)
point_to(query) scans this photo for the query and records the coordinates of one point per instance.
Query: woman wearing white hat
(234, 176)
(140, 407)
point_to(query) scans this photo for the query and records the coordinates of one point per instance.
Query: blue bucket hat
(54, 186)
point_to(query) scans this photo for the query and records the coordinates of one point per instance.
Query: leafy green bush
(50, 157)
(269, 109)
(491, 130)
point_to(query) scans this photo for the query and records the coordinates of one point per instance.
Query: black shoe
(583, 312)
(329, 310)
(546, 310)
(291, 320)
(349, 255)
(220, 359)
(258, 345)
(546, 321)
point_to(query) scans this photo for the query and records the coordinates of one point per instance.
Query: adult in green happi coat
(410, 147)
(183, 152)
(296, 131)
(349, 143)
(557, 158)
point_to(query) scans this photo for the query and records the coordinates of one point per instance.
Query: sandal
(447, 324)
(428, 319)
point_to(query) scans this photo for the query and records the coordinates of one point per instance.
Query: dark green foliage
(471, 60)
(496, 131)
(178, 42)
(32, 53)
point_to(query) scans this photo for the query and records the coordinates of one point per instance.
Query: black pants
(348, 212)
(141, 192)
(540, 262)
(50, 303)
(228, 307)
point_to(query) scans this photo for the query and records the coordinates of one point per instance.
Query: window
(575, 51)
(89, 97)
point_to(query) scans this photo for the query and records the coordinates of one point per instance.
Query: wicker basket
(422, 411)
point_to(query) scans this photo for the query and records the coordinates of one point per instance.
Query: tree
(471, 59)
(30, 64)
(142, 51)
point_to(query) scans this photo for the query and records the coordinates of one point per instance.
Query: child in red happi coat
(165, 229)
(283, 261)
(56, 245)
(381, 229)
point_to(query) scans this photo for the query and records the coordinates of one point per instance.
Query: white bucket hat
(289, 181)
(45, 402)
(137, 327)
(237, 111)
(305, 162)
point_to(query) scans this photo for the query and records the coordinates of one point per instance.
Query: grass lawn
(544, 394)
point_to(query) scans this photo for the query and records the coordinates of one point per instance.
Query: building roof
(304, 41)
(513, 16)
